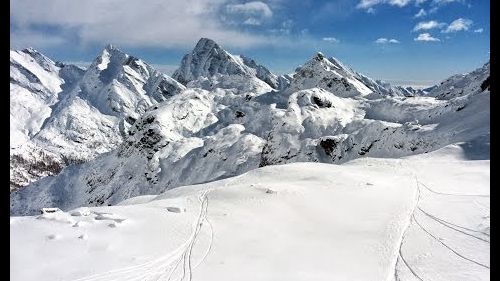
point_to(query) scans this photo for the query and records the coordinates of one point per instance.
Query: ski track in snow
(446, 245)
(160, 268)
(403, 236)
(185, 257)
(452, 194)
(445, 223)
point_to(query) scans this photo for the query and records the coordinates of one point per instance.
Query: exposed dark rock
(328, 145)
(486, 84)
(239, 114)
(321, 102)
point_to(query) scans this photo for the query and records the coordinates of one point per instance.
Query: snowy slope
(462, 84)
(34, 85)
(424, 217)
(92, 114)
(230, 124)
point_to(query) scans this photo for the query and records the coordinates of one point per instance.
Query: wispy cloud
(383, 40)
(458, 25)
(427, 25)
(331, 39)
(444, 2)
(479, 30)
(421, 13)
(367, 4)
(426, 37)
(370, 4)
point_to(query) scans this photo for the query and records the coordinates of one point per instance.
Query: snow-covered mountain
(461, 84)
(387, 89)
(76, 114)
(232, 119)
(208, 59)
(34, 87)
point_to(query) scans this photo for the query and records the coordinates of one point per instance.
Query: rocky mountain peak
(329, 74)
(209, 59)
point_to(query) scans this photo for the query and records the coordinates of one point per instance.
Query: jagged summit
(328, 74)
(75, 114)
(209, 59)
(110, 47)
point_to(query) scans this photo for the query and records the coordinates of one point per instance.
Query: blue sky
(415, 42)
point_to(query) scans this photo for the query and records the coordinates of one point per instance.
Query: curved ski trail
(165, 267)
(455, 227)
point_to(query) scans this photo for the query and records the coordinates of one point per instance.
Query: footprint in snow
(175, 209)
(108, 216)
(53, 237)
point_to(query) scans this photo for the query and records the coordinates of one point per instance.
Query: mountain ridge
(231, 121)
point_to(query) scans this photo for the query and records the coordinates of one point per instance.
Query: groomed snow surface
(423, 217)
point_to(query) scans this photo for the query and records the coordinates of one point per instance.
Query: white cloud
(399, 3)
(250, 13)
(436, 4)
(433, 10)
(421, 13)
(426, 25)
(444, 2)
(147, 23)
(425, 37)
(458, 25)
(383, 40)
(251, 8)
(331, 39)
(479, 30)
(285, 29)
(369, 4)
(366, 4)
(252, 21)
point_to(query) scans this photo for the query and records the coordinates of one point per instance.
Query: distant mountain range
(120, 128)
